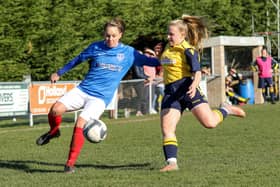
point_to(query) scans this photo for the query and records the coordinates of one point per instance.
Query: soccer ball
(95, 131)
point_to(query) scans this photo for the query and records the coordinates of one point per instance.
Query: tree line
(39, 36)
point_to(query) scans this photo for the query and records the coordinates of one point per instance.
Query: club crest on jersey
(120, 56)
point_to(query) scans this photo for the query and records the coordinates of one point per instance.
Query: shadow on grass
(23, 165)
(130, 166)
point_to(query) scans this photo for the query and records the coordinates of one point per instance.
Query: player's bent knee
(57, 109)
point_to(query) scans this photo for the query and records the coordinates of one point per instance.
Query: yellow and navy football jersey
(179, 61)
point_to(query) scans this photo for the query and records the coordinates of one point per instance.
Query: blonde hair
(116, 22)
(194, 27)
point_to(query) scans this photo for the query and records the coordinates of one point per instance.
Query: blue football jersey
(107, 67)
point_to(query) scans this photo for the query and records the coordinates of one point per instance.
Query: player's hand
(192, 91)
(54, 77)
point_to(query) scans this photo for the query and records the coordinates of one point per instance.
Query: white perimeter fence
(133, 97)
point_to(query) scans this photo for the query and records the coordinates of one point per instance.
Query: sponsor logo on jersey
(166, 61)
(111, 67)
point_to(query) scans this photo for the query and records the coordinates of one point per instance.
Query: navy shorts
(265, 81)
(175, 96)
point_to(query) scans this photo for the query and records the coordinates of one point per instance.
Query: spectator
(205, 71)
(232, 81)
(141, 105)
(159, 85)
(151, 72)
(234, 98)
(158, 48)
(264, 65)
(159, 89)
(236, 78)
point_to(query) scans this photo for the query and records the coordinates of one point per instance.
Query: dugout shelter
(222, 52)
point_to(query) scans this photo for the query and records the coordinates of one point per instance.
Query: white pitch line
(113, 122)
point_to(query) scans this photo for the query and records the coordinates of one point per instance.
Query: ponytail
(194, 27)
(196, 30)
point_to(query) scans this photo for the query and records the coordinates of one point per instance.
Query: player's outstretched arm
(85, 55)
(140, 60)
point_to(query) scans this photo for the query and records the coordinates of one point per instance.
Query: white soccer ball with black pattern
(95, 131)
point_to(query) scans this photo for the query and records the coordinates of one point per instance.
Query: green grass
(240, 152)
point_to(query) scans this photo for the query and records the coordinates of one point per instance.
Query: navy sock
(170, 147)
(223, 113)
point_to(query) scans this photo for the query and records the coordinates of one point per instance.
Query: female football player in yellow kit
(182, 75)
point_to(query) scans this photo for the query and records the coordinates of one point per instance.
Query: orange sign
(42, 96)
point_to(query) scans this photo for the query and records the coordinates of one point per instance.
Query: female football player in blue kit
(109, 62)
(180, 61)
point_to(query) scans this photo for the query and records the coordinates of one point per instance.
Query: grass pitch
(240, 152)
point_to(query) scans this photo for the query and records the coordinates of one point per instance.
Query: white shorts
(76, 99)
